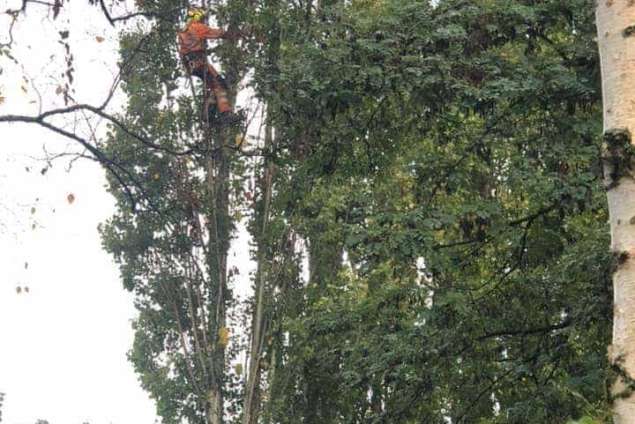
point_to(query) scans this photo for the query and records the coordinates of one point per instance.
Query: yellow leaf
(238, 369)
(239, 140)
(100, 39)
(157, 176)
(70, 198)
(223, 336)
(2, 99)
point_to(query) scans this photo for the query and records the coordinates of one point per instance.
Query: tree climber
(192, 43)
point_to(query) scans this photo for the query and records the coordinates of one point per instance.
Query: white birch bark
(617, 54)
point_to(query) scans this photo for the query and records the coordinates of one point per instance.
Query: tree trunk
(219, 227)
(218, 185)
(258, 327)
(615, 23)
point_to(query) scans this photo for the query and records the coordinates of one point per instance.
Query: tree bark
(615, 22)
(258, 327)
(218, 174)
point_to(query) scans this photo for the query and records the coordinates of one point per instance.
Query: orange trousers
(196, 64)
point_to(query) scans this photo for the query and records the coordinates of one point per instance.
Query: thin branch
(527, 332)
(148, 15)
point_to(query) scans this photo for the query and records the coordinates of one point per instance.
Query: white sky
(63, 344)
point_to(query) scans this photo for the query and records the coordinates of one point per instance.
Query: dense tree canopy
(451, 153)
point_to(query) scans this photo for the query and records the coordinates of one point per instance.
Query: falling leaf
(32, 210)
(70, 198)
(157, 176)
(18, 290)
(59, 90)
(100, 39)
(26, 289)
(238, 369)
(23, 88)
(26, 265)
(223, 336)
(2, 99)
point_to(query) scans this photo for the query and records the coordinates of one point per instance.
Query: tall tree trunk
(616, 39)
(218, 173)
(220, 227)
(261, 317)
(219, 231)
(258, 323)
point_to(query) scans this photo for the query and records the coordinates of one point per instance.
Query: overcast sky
(62, 344)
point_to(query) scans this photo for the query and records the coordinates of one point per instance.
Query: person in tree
(192, 44)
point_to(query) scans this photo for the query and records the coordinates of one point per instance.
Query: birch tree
(616, 27)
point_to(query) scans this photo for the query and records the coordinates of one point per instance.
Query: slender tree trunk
(218, 185)
(258, 327)
(261, 318)
(616, 39)
(218, 174)
(220, 226)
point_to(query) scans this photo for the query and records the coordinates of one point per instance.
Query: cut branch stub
(629, 31)
(617, 155)
(617, 372)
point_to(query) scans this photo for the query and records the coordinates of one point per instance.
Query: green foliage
(451, 153)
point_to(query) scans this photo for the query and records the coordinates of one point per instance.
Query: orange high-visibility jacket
(192, 39)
